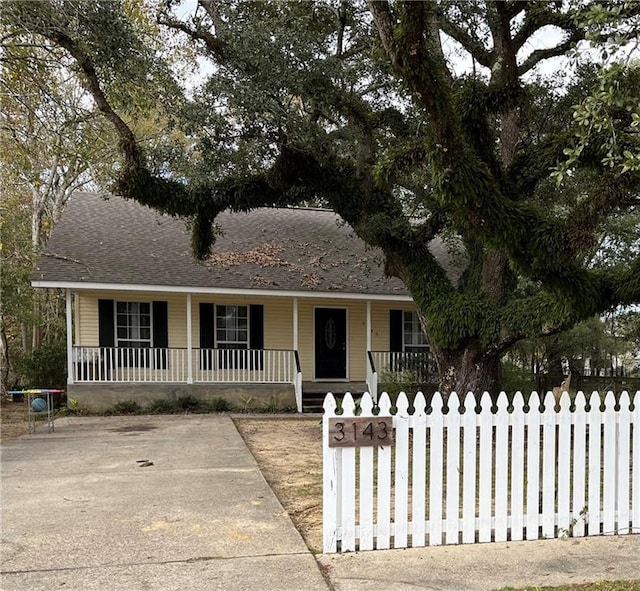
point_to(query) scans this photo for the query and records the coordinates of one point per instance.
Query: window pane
(232, 327)
(413, 336)
(133, 323)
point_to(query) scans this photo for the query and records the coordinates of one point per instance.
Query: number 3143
(360, 431)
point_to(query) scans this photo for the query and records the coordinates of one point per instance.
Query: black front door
(331, 343)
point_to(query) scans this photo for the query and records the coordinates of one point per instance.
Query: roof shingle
(115, 241)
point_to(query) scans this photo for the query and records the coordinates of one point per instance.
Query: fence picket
(517, 468)
(469, 470)
(435, 470)
(419, 479)
(579, 460)
(402, 472)
(594, 427)
(452, 423)
(348, 480)
(548, 466)
(486, 469)
(501, 467)
(609, 466)
(523, 471)
(366, 482)
(635, 454)
(563, 465)
(533, 467)
(384, 482)
(329, 480)
(622, 462)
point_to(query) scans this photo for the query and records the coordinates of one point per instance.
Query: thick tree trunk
(468, 370)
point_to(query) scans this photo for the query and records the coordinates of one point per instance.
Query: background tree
(360, 105)
(53, 145)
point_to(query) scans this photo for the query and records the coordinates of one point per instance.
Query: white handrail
(171, 365)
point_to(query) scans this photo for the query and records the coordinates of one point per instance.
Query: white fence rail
(461, 476)
(170, 365)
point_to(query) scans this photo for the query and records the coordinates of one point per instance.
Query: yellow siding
(278, 317)
(278, 323)
(87, 306)
(380, 322)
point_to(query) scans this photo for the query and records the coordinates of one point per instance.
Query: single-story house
(289, 305)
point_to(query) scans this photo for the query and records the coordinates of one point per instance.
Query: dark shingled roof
(116, 241)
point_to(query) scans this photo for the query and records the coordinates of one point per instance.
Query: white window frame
(229, 343)
(130, 314)
(418, 340)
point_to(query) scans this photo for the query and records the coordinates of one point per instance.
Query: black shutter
(106, 335)
(256, 335)
(207, 337)
(395, 330)
(106, 324)
(256, 326)
(159, 315)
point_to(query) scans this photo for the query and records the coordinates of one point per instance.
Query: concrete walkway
(81, 513)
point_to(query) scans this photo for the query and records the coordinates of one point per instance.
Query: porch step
(313, 393)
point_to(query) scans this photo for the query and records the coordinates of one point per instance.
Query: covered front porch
(335, 345)
(233, 367)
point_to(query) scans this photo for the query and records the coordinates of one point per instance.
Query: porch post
(295, 324)
(189, 343)
(69, 337)
(368, 326)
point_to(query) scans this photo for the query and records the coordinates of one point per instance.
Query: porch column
(189, 343)
(295, 324)
(368, 326)
(69, 337)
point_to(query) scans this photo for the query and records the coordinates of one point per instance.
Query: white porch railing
(273, 366)
(416, 367)
(372, 376)
(171, 365)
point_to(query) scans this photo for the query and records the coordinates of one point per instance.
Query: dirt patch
(289, 453)
(14, 419)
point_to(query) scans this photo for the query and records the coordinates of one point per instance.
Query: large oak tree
(369, 109)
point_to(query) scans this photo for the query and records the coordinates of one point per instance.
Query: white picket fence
(514, 473)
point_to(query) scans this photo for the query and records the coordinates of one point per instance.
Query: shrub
(127, 407)
(72, 408)
(189, 404)
(45, 367)
(162, 406)
(219, 404)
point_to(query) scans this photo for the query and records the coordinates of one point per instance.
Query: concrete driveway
(80, 512)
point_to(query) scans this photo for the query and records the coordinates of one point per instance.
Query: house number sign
(361, 431)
